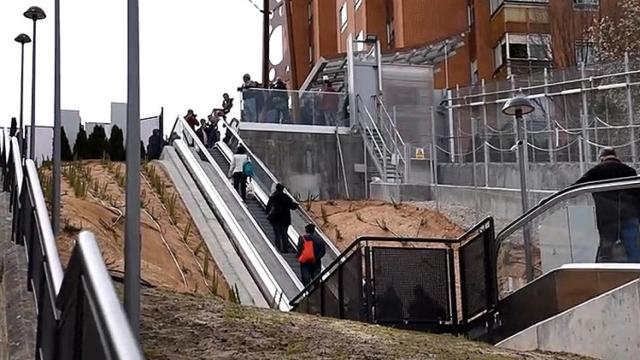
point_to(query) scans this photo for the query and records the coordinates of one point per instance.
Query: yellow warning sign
(419, 153)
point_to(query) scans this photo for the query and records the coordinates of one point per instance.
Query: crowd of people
(273, 105)
(310, 247)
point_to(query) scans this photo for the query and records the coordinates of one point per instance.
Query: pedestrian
(329, 104)
(252, 99)
(227, 103)
(279, 209)
(311, 249)
(212, 128)
(192, 119)
(279, 102)
(154, 148)
(202, 132)
(236, 171)
(616, 211)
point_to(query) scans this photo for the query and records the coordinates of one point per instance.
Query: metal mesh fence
(577, 111)
(352, 293)
(473, 277)
(417, 291)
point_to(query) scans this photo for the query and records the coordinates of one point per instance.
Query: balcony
(520, 17)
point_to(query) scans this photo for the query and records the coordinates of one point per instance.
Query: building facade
(502, 37)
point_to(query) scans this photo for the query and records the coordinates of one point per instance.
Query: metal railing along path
(78, 312)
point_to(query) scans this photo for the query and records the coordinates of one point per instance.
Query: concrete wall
(503, 204)
(308, 163)
(506, 175)
(606, 327)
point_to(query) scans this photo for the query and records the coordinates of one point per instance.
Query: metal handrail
(562, 195)
(275, 180)
(17, 163)
(395, 128)
(112, 323)
(48, 240)
(268, 284)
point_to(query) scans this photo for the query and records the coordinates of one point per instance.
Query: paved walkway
(17, 306)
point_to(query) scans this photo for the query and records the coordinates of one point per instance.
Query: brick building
(500, 36)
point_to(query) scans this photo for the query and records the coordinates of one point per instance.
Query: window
(343, 17)
(471, 14)
(586, 4)
(585, 53)
(359, 41)
(495, 4)
(391, 33)
(358, 3)
(474, 72)
(500, 54)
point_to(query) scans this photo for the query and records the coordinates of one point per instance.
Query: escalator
(276, 274)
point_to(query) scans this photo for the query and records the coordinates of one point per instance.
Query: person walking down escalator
(617, 212)
(237, 171)
(311, 249)
(279, 209)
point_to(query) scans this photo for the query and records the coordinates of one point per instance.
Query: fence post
(581, 153)
(585, 113)
(367, 283)
(452, 145)
(634, 154)
(485, 136)
(548, 116)
(458, 138)
(473, 159)
(434, 155)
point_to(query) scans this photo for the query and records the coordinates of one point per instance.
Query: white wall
(44, 143)
(606, 327)
(71, 122)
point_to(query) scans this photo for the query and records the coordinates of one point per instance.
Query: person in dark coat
(154, 148)
(279, 209)
(616, 211)
(310, 271)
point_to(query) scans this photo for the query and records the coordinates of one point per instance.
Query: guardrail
(365, 282)
(78, 312)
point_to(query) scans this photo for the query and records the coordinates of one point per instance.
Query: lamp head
(35, 13)
(517, 106)
(23, 39)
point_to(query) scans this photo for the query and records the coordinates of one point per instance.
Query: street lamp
(22, 39)
(57, 125)
(34, 13)
(518, 106)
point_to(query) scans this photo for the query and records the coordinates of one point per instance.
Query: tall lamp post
(519, 106)
(57, 126)
(34, 13)
(22, 39)
(132, 220)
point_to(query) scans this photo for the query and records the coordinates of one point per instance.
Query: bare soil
(179, 326)
(344, 221)
(173, 252)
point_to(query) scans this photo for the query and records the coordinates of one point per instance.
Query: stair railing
(377, 151)
(389, 124)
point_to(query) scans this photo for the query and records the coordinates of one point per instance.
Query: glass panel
(273, 106)
(600, 227)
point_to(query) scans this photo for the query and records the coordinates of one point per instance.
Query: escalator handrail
(255, 256)
(562, 195)
(273, 178)
(330, 269)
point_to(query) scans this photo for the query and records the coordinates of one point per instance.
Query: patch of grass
(69, 228)
(186, 232)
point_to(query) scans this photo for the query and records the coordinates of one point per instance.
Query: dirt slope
(173, 252)
(345, 221)
(178, 326)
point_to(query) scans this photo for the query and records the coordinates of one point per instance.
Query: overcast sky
(191, 51)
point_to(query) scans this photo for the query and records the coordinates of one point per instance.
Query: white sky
(190, 54)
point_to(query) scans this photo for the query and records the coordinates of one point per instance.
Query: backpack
(307, 255)
(247, 168)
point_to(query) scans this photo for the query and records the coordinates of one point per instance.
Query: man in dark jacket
(616, 211)
(310, 270)
(279, 215)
